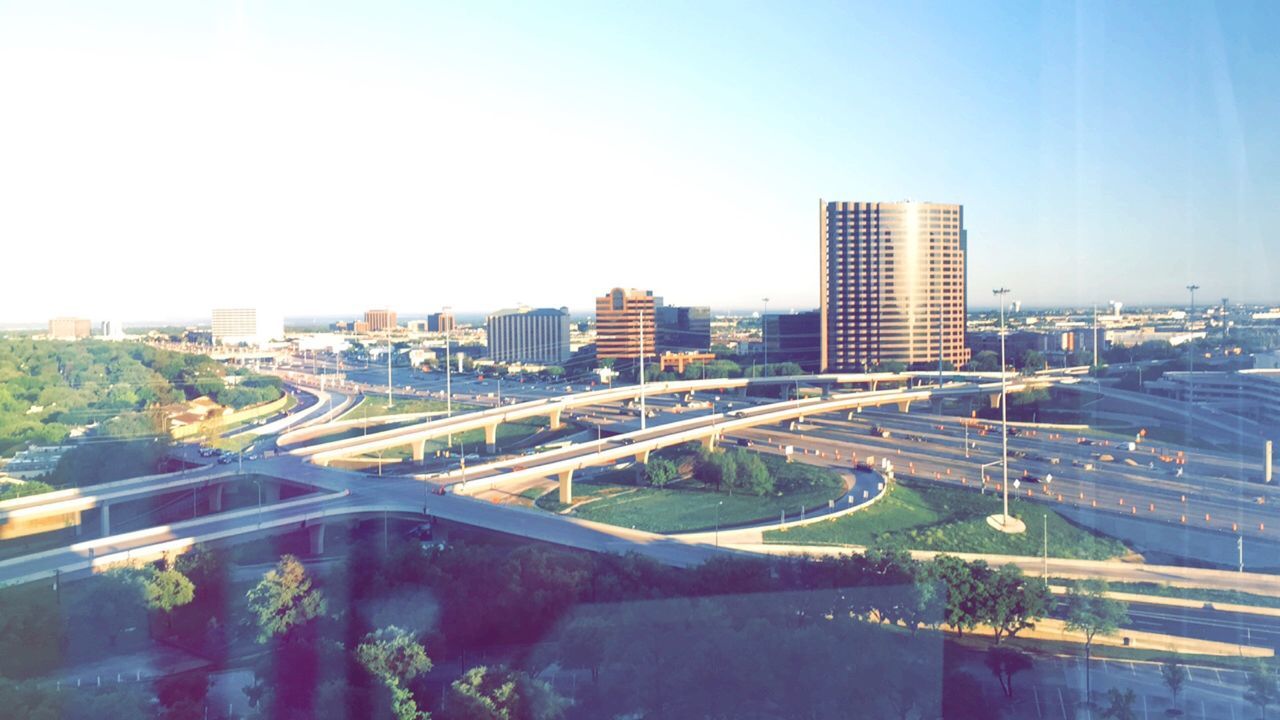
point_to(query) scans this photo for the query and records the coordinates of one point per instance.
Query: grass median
(921, 516)
(687, 505)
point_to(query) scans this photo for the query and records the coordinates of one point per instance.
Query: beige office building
(379, 320)
(893, 284)
(68, 328)
(623, 316)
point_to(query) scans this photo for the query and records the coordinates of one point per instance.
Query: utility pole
(389, 367)
(1004, 416)
(1240, 550)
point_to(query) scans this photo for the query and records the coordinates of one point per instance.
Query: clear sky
(161, 158)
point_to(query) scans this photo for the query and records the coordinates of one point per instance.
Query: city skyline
(1062, 147)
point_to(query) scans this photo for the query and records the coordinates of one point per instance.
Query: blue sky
(324, 157)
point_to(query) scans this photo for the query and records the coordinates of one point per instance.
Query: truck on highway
(880, 432)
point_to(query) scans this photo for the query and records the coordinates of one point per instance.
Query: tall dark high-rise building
(893, 284)
(528, 335)
(793, 337)
(683, 328)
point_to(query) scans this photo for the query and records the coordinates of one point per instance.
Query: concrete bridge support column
(935, 405)
(994, 398)
(555, 419)
(315, 533)
(79, 523)
(270, 492)
(709, 442)
(904, 406)
(491, 438)
(419, 449)
(105, 518)
(853, 412)
(874, 385)
(566, 486)
(215, 498)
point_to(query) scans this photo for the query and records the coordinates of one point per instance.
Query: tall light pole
(448, 369)
(1004, 416)
(764, 340)
(389, 402)
(1095, 336)
(1191, 354)
(643, 414)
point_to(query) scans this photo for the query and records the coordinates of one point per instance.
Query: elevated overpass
(415, 437)
(707, 429)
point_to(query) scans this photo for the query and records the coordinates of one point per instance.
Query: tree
(1004, 663)
(1032, 360)
(284, 599)
(1091, 612)
(165, 590)
(963, 584)
(1260, 689)
(985, 361)
(182, 695)
(115, 597)
(501, 694)
(1120, 705)
(1011, 602)
(751, 475)
(1174, 674)
(395, 658)
(659, 471)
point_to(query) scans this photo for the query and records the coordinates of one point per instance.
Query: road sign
(1016, 483)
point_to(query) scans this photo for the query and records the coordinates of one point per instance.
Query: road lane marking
(1063, 704)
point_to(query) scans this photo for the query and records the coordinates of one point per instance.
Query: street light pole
(764, 340)
(643, 414)
(1004, 416)
(718, 504)
(389, 403)
(448, 372)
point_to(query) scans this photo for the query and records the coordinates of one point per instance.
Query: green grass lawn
(683, 506)
(371, 406)
(931, 517)
(1235, 597)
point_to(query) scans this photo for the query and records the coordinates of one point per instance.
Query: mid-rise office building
(380, 320)
(112, 330)
(245, 326)
(527, 335)
(69, 328)
(441, 322)
(625, 318)
(682, 329)
(793, 337)
(893, 284)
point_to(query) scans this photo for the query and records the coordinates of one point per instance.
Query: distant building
(360, 327)
(677, 362)
(380, 320)
(112, 330)
(1254, 394)
(69, 328)
(793, 337)
(441, 322)
(416, 326)
(622, 317)
(683, 328)
(245, 326)
(340, 326)
(526, 335)
(893, 284)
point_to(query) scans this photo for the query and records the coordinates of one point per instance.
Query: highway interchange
(930, 446)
